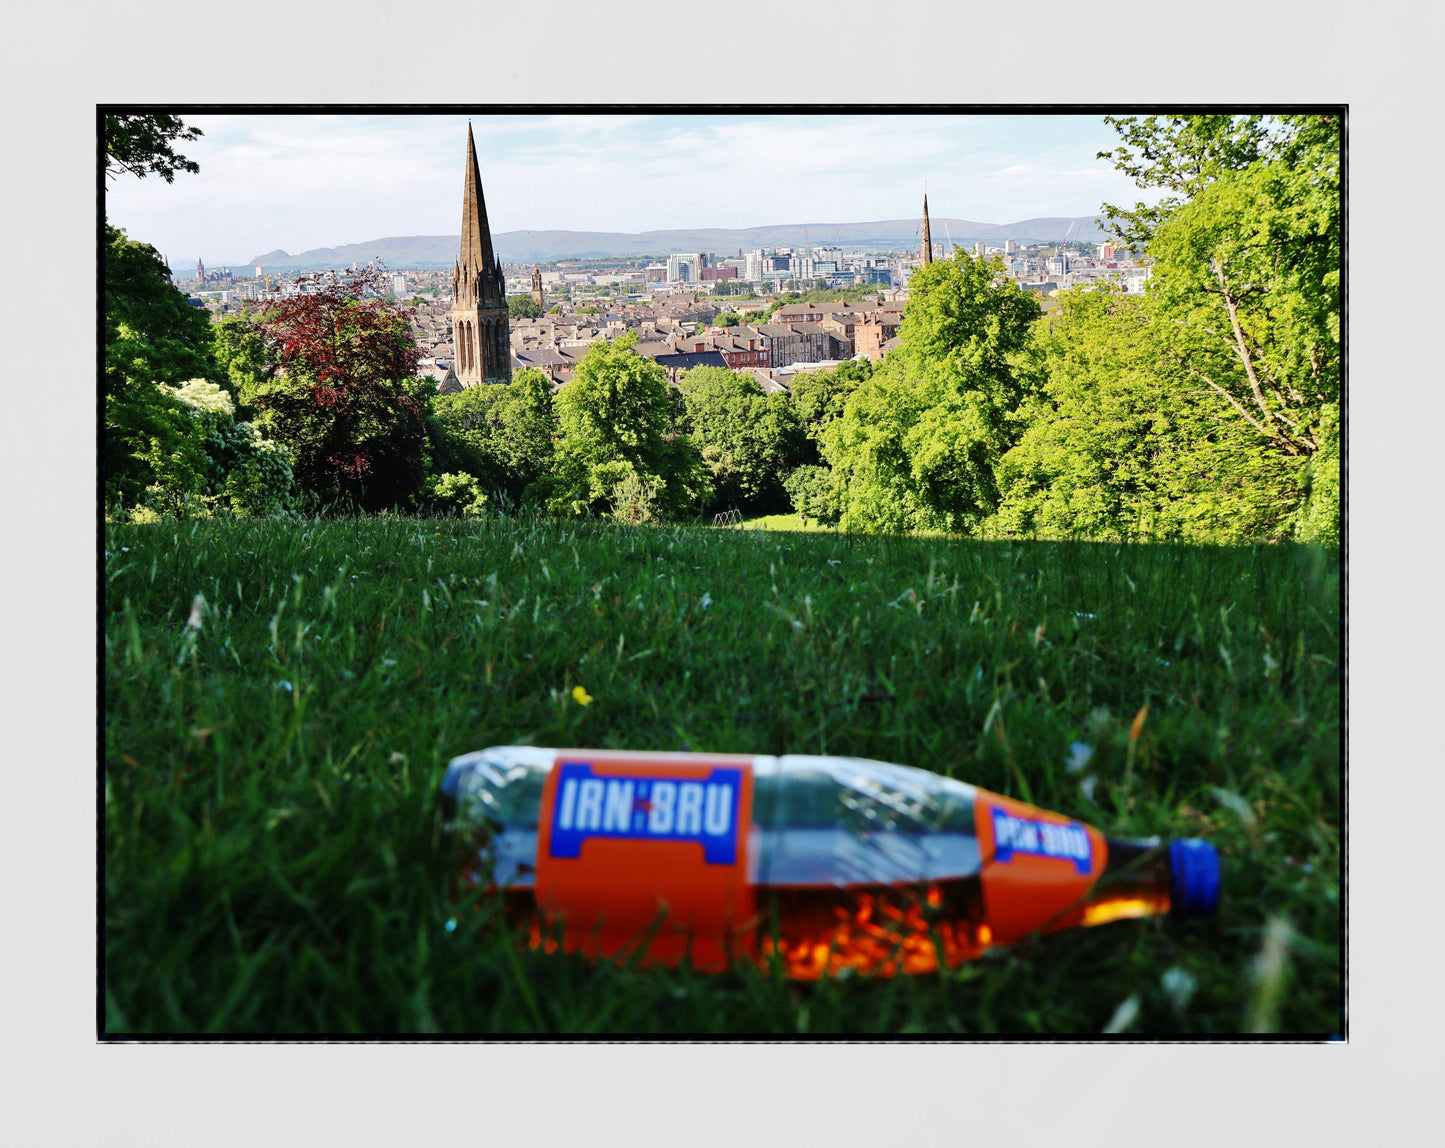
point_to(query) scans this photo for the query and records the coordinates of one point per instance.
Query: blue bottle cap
(1194, 865)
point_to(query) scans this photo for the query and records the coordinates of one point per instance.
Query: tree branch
(1240, 345)
(1264, 429)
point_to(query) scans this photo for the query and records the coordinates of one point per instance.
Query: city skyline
(269, 182)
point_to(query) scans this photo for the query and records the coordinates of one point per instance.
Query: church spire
(927, 239)
(479, 290)
(477, 259)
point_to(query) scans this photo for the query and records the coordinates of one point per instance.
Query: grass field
(786, 522)
(273, 859)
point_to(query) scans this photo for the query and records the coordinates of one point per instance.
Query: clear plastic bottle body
(854, 863)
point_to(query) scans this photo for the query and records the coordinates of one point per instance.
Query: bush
(460, 492)
(814, 493)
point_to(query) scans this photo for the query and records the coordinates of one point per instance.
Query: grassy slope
(272, 855)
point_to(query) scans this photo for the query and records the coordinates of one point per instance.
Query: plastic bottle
(817, 863)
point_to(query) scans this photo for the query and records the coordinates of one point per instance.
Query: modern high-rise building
(479, 312)
(684, 268)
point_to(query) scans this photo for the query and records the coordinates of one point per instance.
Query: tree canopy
(141, 145)
(344, 397)
(153, 339)
(918, 440)
(1119, 444)
(617, 451)
(500, 435)
(523, 307)
(747, 439)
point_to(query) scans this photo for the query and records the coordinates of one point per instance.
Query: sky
(297, 182)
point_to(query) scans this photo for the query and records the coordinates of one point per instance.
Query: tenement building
(479, 315)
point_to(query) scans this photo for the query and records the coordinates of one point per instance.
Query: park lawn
(786, 522)
(273, 856)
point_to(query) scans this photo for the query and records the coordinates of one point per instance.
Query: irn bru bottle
(819, 863)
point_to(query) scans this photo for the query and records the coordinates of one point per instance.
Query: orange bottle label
(628, 843)
(1037, 866)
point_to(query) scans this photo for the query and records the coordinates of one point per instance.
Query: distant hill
(423, 251)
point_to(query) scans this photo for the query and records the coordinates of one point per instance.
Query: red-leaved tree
(345, 397)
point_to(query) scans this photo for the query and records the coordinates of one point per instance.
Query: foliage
(152, 336)
(635, 499)
(919, 439)
(501, 435)
(1319, 518)
(460, 492)
(728, 287)
(1180, 155)
(1248, 275)
(614, 418)
(247, 473)
(818, 397)
(142, 144)
(747, 439)
(1120, 444)
(523, 307)
(273, 857)
(345, 399)
(243, 359)
(814, 493)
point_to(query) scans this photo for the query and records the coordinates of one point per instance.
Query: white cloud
(299, 182)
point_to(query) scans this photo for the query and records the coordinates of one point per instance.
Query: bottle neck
(1136, 882)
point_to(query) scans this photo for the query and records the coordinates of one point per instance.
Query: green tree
(458, 493)
(523, 307)
(818, 397)
(1178, 156)
(919, 439)
(501, 435)
(153, 338)
(141, 145)
(747, 439)
(244, 472)
(1121, 443)
(1245, 292)
(1246, 280)
(243, 360)
(615, 418)
(814, 493)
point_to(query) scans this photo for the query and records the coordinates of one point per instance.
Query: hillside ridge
(547, 246)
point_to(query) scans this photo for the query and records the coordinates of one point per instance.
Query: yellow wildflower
(581, 696)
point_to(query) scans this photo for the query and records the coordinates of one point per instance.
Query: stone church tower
(927, 239)
(537, 288)
(483, 349)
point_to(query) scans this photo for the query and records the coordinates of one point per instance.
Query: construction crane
(949, 236)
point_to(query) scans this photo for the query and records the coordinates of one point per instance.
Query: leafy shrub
(460, 492)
